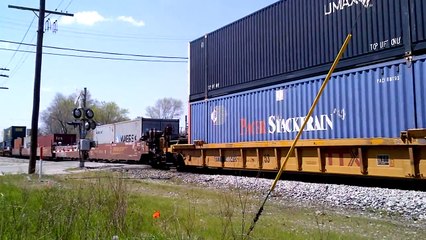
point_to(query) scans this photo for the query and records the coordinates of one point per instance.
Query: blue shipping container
(198, 121)
(371, 102)
(420, 94)
(296, 39)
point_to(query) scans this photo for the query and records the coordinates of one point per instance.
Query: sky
(143, 27)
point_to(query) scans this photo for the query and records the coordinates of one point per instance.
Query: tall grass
(107, 206)
(85, 210)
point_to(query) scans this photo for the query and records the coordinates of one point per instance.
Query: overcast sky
(145, 27)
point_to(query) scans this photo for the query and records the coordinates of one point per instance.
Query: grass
(103, 205)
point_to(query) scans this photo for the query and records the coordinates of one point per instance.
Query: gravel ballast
(367, 200)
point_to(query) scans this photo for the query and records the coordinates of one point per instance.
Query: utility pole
(37, 77)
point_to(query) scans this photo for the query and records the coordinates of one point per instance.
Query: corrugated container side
(45, 141)
(372, 102)
(420, 93)
(300, 38)
(129, 131)
(57, 139)
(11, 133)
(197, 49)
(17, 143)
(64, 139)
(199, 120)
(161, 124)
(174, 124)
(27, 142)
(104, 134)
(418, 20)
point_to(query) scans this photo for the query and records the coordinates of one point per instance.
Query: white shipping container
(104, 134)
(128, 131)
(27, 142)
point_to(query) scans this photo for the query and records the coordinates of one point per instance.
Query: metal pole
(40, 173)
(293, 145)
(37, 83)
(83, 153)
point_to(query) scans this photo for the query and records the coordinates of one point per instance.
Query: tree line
(55, 117)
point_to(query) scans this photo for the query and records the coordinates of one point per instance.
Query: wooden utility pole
(37, 78)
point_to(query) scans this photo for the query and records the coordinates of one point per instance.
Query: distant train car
(10, 135)
(46, 145)
(123, 140)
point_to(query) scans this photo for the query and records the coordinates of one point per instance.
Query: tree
(109, 112)
(54, 119)
(56, 116)
(165, 108)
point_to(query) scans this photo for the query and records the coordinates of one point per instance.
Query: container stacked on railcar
(377, 101)
(253, 81)
(252, 78)
(12, 133)
(9, 136)
(122, 140)
(295, 39)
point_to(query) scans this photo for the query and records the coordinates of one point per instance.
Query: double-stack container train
(130, 140)
(47, 145)
(253, 81)
(141, 140)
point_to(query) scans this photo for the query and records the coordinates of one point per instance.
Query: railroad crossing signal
(84, 120)
(86, 115)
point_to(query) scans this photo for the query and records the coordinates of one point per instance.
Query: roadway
(20, 166)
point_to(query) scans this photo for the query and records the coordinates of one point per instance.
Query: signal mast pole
(37, 77)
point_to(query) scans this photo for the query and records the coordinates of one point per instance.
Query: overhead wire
(20, 43)
(22, 60)
(99, 52)
(104, 58)
(122, 36)
(59, 5)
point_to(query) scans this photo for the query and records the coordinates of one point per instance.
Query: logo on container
(218, 115)
(339, 5)
(281, 125)
(126, 138)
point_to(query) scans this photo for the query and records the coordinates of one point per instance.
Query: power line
(19, 44)
(68, 5)
(99, 52)
(97, 57)
(64, 30)
(59, 4)
(71, 32)
(22, 60)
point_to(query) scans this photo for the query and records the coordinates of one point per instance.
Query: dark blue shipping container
(12, 133)
(420, 93)
(160, 124)
(378, 101)
(198, 58)
(418, 20)
(295, 39)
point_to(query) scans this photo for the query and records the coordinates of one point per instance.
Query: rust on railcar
(119, 151)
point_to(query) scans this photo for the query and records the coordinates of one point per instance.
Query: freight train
(252, 82)
(140, 141)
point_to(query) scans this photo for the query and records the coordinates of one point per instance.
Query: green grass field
(103, 205)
